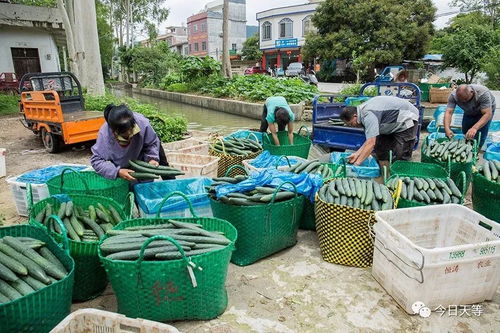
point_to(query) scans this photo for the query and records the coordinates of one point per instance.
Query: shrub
(168, 128)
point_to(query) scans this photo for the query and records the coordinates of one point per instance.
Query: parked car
(255, 70)
(294, 69)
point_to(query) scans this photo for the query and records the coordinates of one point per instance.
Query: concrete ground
(291, 291)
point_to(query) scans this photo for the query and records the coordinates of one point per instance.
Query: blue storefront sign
(291, 42)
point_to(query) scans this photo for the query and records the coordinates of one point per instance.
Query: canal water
(198, 118)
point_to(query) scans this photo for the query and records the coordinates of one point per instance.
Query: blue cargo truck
(327, 109)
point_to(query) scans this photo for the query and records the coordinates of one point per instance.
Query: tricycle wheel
(51, 141)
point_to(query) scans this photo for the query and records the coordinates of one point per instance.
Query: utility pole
(226, 62)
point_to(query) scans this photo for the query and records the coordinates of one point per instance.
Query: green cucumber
(22, 287)
(92, 213)
(454, 189)
(34, 283)
(32, 267)
(340, 187)
(71, 232)
(279, 196)
(62, 210)
(47, 254)
(69, 208)
(7, 274)
(94, 226)
(9, 291)
(114, 215)
(369, 193)
(143, 175)
(332, 190)
(12, 264)
(376, 191)
(76, 225)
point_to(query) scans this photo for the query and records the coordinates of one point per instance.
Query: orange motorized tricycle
(52, 106)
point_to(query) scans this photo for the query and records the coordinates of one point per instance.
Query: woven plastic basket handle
(238, 166)
(270, 205)
(463, 181)
(189, 263)
(64, 231)
(307, 131)
(276, 165)
(256, 139)
(129, 204)
(168, 196)
(417, 268)
(79, 176)
(223, 145)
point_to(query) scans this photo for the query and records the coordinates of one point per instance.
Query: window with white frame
(266, 30)
(307, 25)
(286, 28)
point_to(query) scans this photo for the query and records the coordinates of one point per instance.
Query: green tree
(490, 8)
(106, 38)
(491, 66)
(387, 31)
(250, 50)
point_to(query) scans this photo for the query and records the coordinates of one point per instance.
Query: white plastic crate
(194, 165)
(39, 192)
(93, 320)
(187, 146)
(439, 255)
(201, 210)
(249, 167)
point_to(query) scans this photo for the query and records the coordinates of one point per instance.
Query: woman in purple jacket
(125, 136)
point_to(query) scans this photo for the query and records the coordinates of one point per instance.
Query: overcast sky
(180, 10)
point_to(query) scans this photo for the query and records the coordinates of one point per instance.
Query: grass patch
(8, 105)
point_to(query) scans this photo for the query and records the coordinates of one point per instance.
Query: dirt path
(25, 152)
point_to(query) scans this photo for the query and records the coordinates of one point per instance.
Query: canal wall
(245, 109)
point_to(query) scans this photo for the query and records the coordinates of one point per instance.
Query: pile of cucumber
(126, 244)
(491, 170)
(146, 171)
(356, 193)
(313, 167)
(457, 150)
(26, 266)
(258, 196)
(236, 147)
(83, 225)
(426, 190)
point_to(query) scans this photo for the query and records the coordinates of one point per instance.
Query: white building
(29, 39)
(283, 31)
(205, 29)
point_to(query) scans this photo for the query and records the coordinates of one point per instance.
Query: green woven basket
(485, 197)
(90, 277)
(44, 309)
(424, 170)
(454, 167)
(262, 230)
(308, 218)
(301, 144)
(163, 290)
(89, 182)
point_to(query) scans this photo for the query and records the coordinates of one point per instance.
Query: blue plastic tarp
(368, 169)
(266, 160)
(306, 184)
(150, 195)
(41, 176)
(493, 152)
(243, 134)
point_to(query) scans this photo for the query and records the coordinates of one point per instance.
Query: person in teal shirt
(277, 111)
